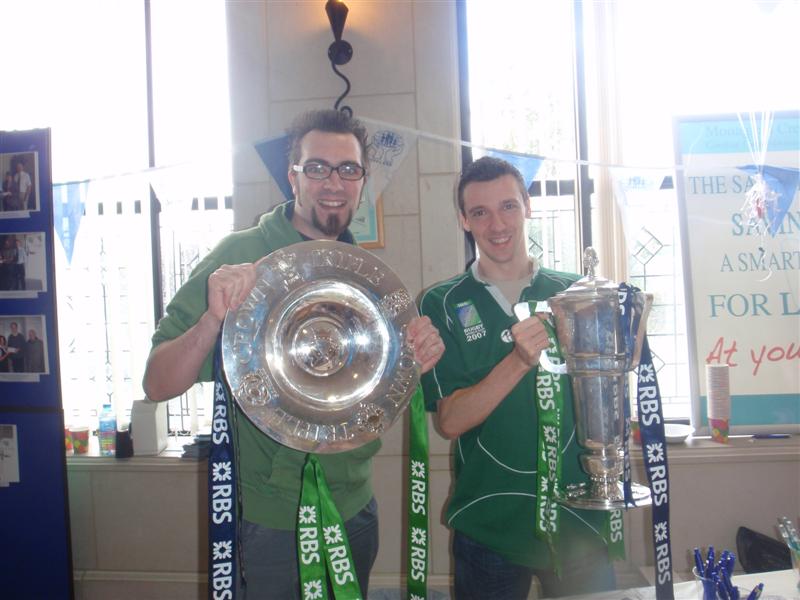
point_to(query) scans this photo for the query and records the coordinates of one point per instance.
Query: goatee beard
(332, 225)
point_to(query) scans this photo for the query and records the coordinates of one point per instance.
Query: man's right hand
(530, 338)
(174, 365)
(468, 407)
(228, 287)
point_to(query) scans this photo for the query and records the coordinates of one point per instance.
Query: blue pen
(771, 436)
(726, 580)
(756, 593)
(698, 562)
(710, 560)
(722, 591)
(723, 560)
(709, 590)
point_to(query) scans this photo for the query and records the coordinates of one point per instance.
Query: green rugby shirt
(493, 501)
(270, 473)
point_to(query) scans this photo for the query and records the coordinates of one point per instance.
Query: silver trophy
(316, 357)
(598, 355)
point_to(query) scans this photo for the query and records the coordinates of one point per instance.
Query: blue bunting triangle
(781, 180)
(528, 165)
(69, 200)
(274, 152)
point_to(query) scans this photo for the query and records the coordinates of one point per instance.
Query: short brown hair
(327, 120)
(488, 168)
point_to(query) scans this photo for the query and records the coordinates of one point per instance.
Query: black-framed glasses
(349, 171)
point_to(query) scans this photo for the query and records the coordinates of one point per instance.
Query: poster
(741, 265)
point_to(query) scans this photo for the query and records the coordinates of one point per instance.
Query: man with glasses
(327, 174)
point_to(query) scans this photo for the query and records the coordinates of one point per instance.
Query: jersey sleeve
(450, 373)
(186, 308)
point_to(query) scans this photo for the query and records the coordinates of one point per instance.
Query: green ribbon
(322, 547)
(615, 535)
(418, 484)
(549, 410)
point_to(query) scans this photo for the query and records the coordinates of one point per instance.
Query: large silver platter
(316, 357)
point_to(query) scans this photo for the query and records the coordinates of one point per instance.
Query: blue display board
(740, 232)
(33, 489)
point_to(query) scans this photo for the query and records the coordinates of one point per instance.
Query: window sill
(170, 459)
(741, 448)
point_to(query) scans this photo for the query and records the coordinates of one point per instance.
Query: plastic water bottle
(108, 431)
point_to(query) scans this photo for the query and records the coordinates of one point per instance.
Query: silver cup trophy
(598, 355)
(317, 356)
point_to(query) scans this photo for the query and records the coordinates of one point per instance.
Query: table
(778, 585)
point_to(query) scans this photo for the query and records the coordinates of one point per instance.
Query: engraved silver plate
(316, 356)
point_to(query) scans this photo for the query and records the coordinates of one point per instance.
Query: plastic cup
(636, 433)
(705, 588)
(80, 439)
(68, 440)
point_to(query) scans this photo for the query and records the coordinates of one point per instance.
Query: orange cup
(636, 433)
(80, 439)
(68, 440)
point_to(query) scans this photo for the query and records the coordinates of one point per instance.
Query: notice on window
(9, 455)
(740, 233)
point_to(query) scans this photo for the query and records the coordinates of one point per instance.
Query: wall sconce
(340, 51)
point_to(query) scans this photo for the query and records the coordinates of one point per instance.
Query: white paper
(9, 455)
(718, 391)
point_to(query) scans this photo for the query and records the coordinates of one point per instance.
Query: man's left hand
(425, 340)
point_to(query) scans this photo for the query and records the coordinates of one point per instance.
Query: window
(646, 62)
(88, 83)
(521, 99)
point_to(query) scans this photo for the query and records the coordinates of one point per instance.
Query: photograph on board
(19, 193)
(23, 348)
(23, 271)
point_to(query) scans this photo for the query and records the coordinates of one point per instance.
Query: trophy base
(579, 496)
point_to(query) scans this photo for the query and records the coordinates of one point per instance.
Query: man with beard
(327, 170)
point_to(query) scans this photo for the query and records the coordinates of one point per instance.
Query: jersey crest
(470, 321)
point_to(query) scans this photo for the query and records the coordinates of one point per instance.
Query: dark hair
(487, 168)
(327, 120)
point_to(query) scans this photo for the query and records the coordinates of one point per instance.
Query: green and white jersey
(494, 498)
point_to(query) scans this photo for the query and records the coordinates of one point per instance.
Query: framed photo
(367, 223)
(23, 264)
(23, 348)
(19, 190)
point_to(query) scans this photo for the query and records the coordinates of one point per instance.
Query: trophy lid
(590, 285)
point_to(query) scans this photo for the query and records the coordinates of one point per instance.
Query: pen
(698, 561)
(726, 580)
(756, 593)
(722, 591)
(770, 436)
(731, 562)
(710, 560)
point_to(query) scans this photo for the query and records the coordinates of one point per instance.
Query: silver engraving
(394, 303)
(317, 353)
